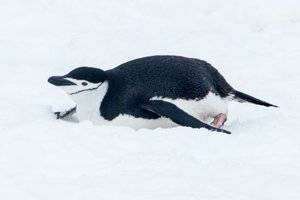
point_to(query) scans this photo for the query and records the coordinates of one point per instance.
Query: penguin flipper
(178, 116)
(64, 114)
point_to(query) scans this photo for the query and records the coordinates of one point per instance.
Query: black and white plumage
(152, 91)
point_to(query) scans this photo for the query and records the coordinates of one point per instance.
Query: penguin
(150, 92)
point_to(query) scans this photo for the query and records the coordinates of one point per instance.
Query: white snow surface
(254, 44)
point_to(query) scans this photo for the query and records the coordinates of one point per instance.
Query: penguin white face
(79, 80)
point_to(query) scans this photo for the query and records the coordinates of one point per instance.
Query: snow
(254, 44)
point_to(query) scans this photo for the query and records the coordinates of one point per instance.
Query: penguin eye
(84, 83)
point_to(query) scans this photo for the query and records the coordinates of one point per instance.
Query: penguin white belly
(204, 110)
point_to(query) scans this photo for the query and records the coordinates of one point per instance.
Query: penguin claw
(61, 115)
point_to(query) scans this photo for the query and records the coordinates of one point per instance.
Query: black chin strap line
(91, 89)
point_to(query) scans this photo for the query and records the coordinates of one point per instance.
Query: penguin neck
(88, 103)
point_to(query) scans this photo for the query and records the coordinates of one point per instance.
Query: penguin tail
(242, 97)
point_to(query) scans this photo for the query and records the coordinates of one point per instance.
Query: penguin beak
(60, 81)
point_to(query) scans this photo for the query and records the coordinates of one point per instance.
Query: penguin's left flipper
(64, 114)
(171, 111)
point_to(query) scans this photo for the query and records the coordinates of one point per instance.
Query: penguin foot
(63, 114)
(219, 120)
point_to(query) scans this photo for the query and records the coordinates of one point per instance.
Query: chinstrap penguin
(150, 92)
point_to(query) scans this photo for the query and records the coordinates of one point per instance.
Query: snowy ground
(254, 44)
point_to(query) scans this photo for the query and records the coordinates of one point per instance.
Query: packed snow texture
(254, 44)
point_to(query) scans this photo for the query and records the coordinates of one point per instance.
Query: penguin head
(79, 80)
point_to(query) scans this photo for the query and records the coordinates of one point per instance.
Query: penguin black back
(170, 76)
